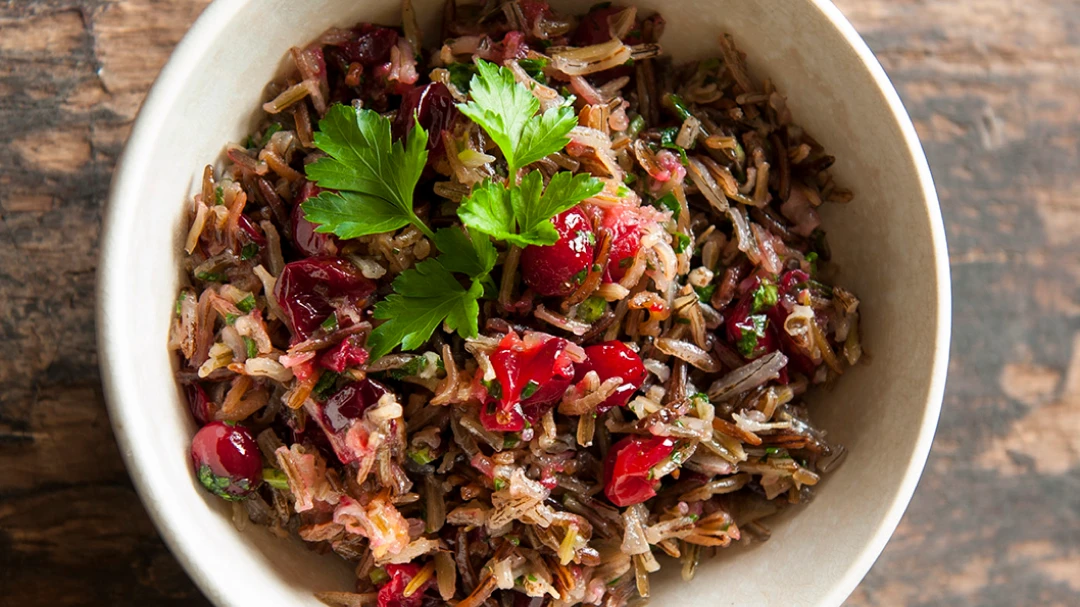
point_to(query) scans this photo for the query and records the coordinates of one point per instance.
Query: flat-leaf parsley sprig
(374, 180)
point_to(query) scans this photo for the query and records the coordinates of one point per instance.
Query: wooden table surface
(994, 89)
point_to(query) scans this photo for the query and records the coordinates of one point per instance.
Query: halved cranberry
(199, 403)
(625, 226)
(337, 415)
(752, 334)
(434, 106)
(556, 270)
(371, 46)
(613, 359)
(309, 290)
(348, 353)
(531, 375)
(306, 239)
(392, 594)
(627, 469)
(227, 460)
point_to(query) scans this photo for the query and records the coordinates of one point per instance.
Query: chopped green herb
(693, 517)
(249, 251)
(678, 106)
(812, 258)
(325, 385)
(629, 179)
(219, 196)
(246, 304)
(531, 577)
(579, 277)
(772, 450)
(275, 478)
(413, 368)
(637, 124)
(378, 576)
(493, 387)
(180, 300)
(751, 330)
(534, 68)
(530, 388)
(669, 202)
(499, 483)
(705, 293)
(211, 277)
(591, 309)
(270, 130)
(251, 346)
(682, 241)
(514, 540)
(626, 262)
(330, 324)
(422, 455)
(230, 318)
(510, 440)
(622, 191)
(460, 75)
(765, 296)
(667, 140)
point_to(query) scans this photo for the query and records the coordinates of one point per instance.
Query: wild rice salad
(502, 321)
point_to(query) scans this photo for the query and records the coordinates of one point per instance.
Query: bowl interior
(888, 246)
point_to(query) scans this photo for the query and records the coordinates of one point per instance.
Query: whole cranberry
(558, 269)
(306, 239)
(309, 290)
(613, 359)
(433, 106)
(392, 593)
(628, 477)
(227, 460)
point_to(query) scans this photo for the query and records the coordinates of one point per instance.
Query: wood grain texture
(994, 89)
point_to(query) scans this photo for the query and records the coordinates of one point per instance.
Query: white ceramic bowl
(889, 244)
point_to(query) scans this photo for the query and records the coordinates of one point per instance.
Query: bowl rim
(131, 166)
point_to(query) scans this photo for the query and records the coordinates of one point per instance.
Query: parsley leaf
(507, 111)
(471, 254)
(521, 215)
(424, 296)
(375, 176)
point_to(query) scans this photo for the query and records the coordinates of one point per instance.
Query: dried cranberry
(433, 106)
(199, 403)
(392, 594)
(226, 460)
(556, 270)
(309, 290)
(530, 377)
(595, 27)
(371, 46)
(627, 470)
(625, 226)
(341, 409)
(512, 46)
(613, 359)
(306, 239)
(348, 353)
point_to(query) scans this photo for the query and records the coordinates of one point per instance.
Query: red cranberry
(227, 460)
(348, 353)
(595, 28)
(248, 228)
(306, 239)
(627, 469)
(530, 377)
(613, 359)
(434, 106)
(309, 290)
(558, 269)
(337, 414)
(371, 46)
(199, 403)
(625, 226)
(392, 594)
